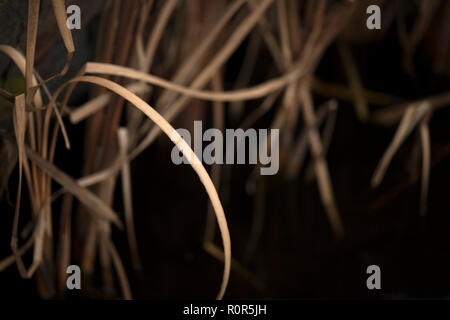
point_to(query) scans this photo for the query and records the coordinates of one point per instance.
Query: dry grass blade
(214, 251)
(284, 33)
(246, 70)
(327, 134)
(127, 197)
(89, 108)
(83, 195)
(6, 262)
(393, 114)
(64, 242)
(120, 270)
(100, 176)
(33, 17)
(410, 119)
(155, 36)
(330, 124)
(219, 123)
(182, 74)
(8, 161)
(208, 72)
(260, 111)
(301, 145)
(250, 93)
(342, 92)
(7, 95)
(19, 129)
(290, 101)
(351, 71)
(61, 19)
(32, 28)
(257, 227)
(106, 263)
(185, 149)
(233, 42)
(320, 166)
(265, 31)
(31, 187)
(39, 233)
(411, 41)
(92, 106)
(426, 161)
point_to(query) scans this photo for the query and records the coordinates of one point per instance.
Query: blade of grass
(83, 195)
(250, 93)
(351, 71)
(120, 270)
(392, 114)
(19, 130)
(341, 92)
(410, 119)
(327, 134)
(184, 148)
(426, 161)
(61, 20)
(215, 252)
(32, 26)
(157, 32)
(39, 234)
(127, 198)
(64, 242)
(229, 47)
(94, 105)
(320, 166)
(219, 123)
(301, 145)
(183, 72)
